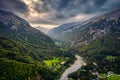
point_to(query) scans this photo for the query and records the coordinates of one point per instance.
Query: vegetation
(55, 63)
(98, 41)
(113, 77)
(21, 60)
(101, 55)
(97, 68)
(110, 57)
(52, 62)
(27, 53)
(13, 70)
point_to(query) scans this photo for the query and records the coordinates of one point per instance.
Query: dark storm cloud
(112, 4)
(66, 9)
(14, 5)
(84, 6)
(59, 11)
(69, 8)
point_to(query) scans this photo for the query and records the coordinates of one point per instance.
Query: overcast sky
(51, 13)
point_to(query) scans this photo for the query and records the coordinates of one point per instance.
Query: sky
(52, 13)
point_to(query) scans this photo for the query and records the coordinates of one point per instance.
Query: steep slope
(98, 41)
(59, 33)
(23, 49)
(18, 29)
(28, 54)
(85, 32)
(44, 30)
(14, 28)
(58, 30)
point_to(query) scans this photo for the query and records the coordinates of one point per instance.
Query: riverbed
(74, 67)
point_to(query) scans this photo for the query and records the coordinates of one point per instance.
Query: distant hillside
(98, 41)
(44, 30)
(95, 38)
(104, 27)
(59, 33)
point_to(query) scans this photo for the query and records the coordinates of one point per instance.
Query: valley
(97, 41)
(88, 50)
(27, 53)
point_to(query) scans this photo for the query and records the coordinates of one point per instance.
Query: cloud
(56, 12)
(111, 4)
(64, 9)
(14, 5)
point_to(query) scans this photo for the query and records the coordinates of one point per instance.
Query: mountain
(27, 53)
(15, 28)
(98, 41)
(66, 32)
(18, 29)
(83, 33)
(59, 32)
(44, 30)
(23, 49)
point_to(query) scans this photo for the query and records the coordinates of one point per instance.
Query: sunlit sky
(52, 13)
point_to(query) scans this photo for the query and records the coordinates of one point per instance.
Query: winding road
(74, 67)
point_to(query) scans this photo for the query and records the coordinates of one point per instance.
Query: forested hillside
(98, 41)
(25, 52)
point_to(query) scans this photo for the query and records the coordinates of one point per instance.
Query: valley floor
(74, 67)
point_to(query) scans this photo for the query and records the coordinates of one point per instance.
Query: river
(74, 67)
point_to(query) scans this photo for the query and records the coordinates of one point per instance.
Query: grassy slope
(113, 77)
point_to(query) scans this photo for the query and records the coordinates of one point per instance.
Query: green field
(110, 77)
(113, 77)
(103, 75)
(54, 63)
(110, 57)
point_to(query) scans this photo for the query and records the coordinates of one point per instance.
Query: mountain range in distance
(78, 33)
(44, 30)
(92, 36)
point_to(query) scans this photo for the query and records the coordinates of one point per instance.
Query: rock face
(82, 33)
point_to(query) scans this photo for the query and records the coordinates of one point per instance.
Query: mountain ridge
(23, 50)
(69, 35)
